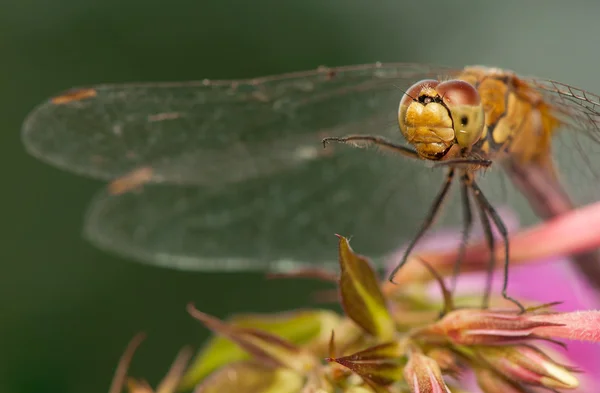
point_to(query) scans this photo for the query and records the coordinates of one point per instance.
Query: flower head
(387, 340)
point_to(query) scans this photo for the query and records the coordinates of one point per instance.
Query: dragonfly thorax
(434, 116)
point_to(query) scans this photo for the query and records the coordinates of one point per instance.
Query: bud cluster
(386, 341)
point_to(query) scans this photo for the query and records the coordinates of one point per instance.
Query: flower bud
(529, 365)
(473, 327)
(423, 375)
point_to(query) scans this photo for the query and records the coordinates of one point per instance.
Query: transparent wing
(577, 108)
(576, 148)
(234, 174)
(213, 132)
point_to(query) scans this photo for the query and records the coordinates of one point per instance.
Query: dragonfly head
(434, 116)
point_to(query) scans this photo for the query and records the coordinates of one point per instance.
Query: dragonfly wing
(213, 132)
(279, 222)
(285, 220)
(576, 147)
(231, 175)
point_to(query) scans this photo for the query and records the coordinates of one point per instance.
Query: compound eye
(457, 92)
(464, 103)
(425, 86)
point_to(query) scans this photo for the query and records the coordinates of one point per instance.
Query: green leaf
(251, 377)
(362, 298)
(378, 366)
(299, 327)
(267, 348)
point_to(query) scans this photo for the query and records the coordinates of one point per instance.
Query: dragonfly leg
(489, 237)
(464, 162)
(365, 140)
(497, 220)
(437, 203)
(467, 225)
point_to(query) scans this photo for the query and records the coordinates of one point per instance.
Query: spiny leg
(466, 162)
(489, 237)
(378, 141)
(467, 225)
(497, 220)
(428, 221)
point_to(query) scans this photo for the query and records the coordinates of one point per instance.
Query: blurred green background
(67, 310)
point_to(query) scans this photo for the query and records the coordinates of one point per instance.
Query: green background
(67, 310)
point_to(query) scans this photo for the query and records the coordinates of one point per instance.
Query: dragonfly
(230, 175)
